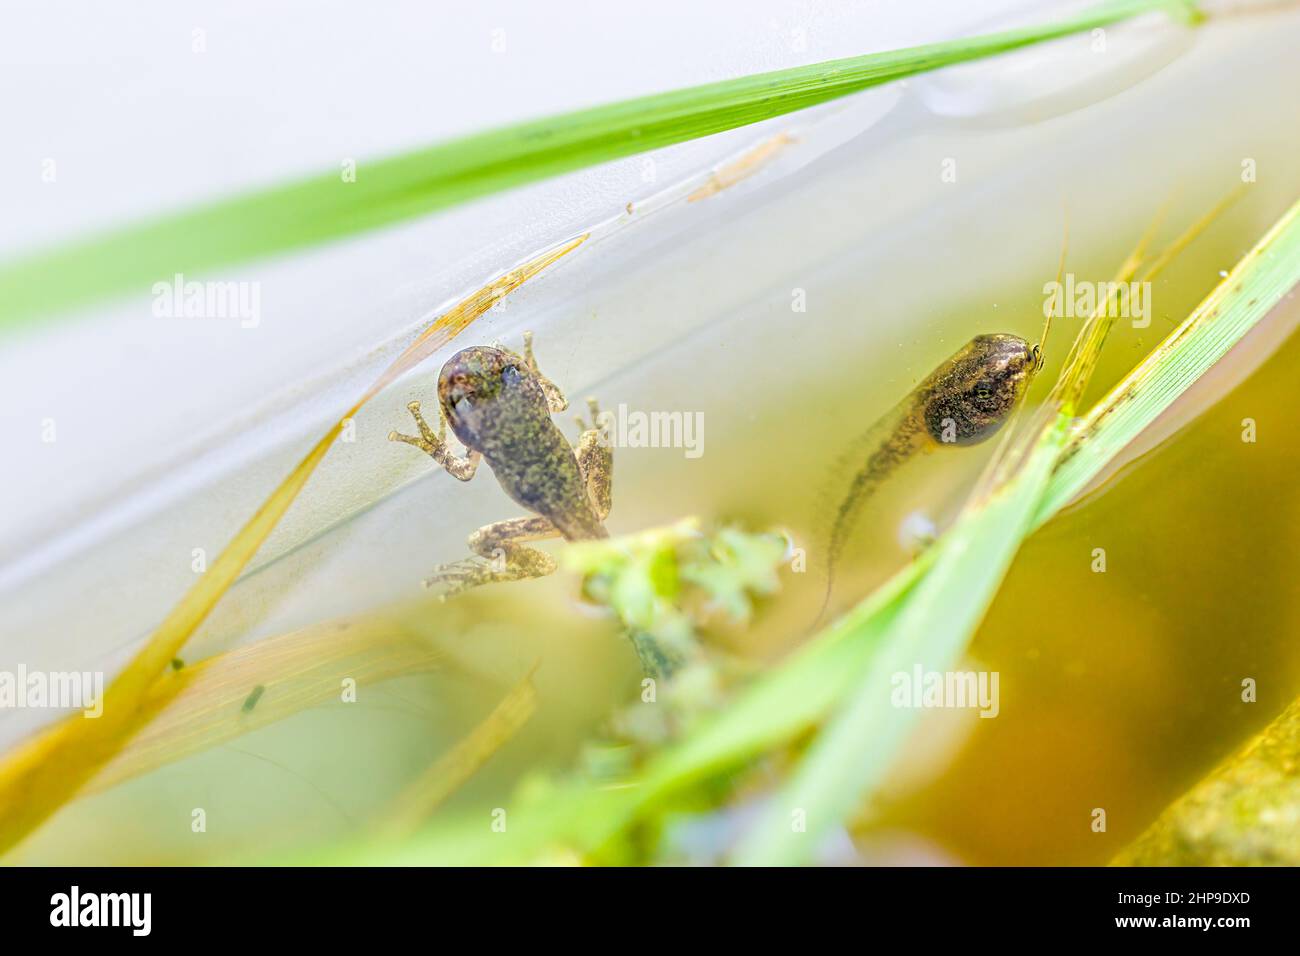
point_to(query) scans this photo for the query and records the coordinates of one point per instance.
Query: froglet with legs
(499, 405)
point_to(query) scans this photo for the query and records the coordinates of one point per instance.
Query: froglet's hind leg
(596, 462)
(503, 556)
(436, 445)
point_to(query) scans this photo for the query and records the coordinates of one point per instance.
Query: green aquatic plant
(655, 583)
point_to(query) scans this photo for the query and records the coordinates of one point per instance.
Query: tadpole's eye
(983, 391)
(510, 375)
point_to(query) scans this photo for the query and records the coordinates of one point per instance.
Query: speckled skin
(962, 402)
(499, 405)
(496, 408)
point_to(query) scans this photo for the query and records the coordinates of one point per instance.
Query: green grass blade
(322, 208)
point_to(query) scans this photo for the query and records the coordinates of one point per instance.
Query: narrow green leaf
(322, 208)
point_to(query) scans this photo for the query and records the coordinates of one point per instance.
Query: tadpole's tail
(833, 547)
(892, 445)
(826, 599)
